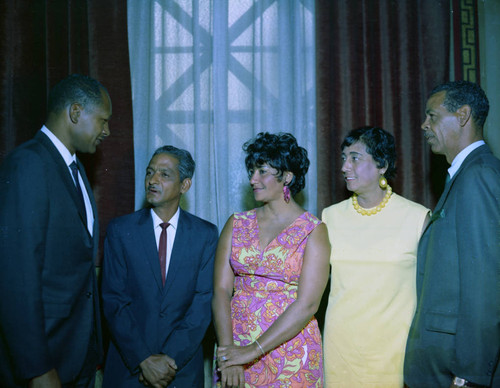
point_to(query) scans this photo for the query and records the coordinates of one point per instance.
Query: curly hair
(460, 93)
(379, 144)
(280, 151)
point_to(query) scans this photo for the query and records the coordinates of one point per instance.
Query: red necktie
(162, 251)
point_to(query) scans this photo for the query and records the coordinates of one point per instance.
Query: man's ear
(74, 112)
(464, 114)
(185, 185)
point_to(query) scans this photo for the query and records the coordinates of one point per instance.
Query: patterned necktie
(162, 251)
(81, 202)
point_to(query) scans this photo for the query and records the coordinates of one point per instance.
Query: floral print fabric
(265, 285)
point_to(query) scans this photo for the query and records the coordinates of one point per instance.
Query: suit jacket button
(89, 295)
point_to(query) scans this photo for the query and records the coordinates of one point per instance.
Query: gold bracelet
(260, 347)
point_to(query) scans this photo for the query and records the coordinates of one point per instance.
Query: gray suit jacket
(49, 305)
(456, 328)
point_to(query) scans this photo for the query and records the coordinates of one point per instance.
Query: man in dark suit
(454, 340)
(48, 242)
(157, 293)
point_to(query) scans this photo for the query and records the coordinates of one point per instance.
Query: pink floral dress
(265, 285)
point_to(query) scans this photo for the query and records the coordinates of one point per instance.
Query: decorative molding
(466, 40)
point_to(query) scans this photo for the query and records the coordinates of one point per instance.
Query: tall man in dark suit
(48, 242)
(454, 340)
(157, 283)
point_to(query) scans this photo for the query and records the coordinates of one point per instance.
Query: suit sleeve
(478, 239)
(23, 223)
(117, 303)
(187, 337)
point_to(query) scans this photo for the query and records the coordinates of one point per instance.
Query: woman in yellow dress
(374, 237)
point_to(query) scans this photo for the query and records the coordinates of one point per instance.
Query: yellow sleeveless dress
(372, 297)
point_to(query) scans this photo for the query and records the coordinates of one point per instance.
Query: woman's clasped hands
(230, 361)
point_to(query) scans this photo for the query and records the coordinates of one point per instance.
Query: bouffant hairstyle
(379, 144)
(280, 151)
(460, 93)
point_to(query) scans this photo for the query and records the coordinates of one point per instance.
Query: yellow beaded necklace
(376, 209)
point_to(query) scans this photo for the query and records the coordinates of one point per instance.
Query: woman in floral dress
(270, 273)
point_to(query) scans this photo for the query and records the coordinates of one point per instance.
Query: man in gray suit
(454, 340)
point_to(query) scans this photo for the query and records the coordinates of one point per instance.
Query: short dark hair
(460, 93)
(76, 88)
(186, 162)
(281, 152)
(379, 144)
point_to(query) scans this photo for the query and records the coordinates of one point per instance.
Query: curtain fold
(208, 76)
(43, 42)
(376, 63)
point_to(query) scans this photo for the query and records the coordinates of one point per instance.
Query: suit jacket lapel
(95, 230)
(179, 250)
(63, 171)
(444, 196)
(146, 235)
(439, 211)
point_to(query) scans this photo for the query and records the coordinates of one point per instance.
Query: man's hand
(158, 370)
(47, 380)
(458, 382)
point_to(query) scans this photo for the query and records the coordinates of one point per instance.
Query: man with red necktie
(157, 283)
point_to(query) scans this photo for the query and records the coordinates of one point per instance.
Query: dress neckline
(259, 246)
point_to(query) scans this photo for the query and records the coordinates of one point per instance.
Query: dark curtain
(42, 42)
(376, 63)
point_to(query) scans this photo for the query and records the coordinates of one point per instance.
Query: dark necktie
(448, 178)
(81, 202)
(162, 251)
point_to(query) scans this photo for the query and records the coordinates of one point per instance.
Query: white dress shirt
(68, 159)
(171, 230)
(459, 159)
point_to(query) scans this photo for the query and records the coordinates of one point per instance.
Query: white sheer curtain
(208, 75)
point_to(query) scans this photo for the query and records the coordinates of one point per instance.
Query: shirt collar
(68, 158)
(173, 221)
(457, 162)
